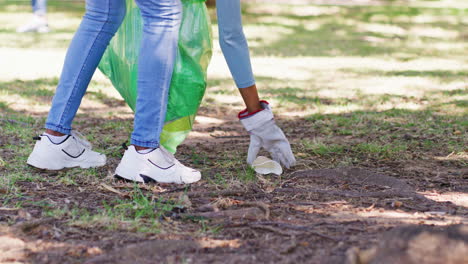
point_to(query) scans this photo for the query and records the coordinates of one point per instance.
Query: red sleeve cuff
(245, 114)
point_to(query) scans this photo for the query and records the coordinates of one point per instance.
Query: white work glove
(265, 133)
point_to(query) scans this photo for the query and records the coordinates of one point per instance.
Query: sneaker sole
(124, 179)
(37, 164)
(125, 173)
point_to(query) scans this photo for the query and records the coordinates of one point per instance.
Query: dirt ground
(371, 94)
(308, 215)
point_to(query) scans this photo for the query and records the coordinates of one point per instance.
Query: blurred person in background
(38, 22)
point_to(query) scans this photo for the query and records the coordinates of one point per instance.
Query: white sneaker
(37, 24)
(158, 165)
(74, 151)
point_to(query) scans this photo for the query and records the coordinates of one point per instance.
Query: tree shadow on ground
(348, 32)
(42, 91)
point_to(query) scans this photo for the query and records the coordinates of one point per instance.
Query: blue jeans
(39, 7)
(161, 19)
(233, 42)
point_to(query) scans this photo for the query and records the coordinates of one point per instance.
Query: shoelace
(81, 139)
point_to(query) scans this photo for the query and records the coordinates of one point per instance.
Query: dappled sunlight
(383, 216)
(31, 105)
(422, 19)
(225, 99)
(400, 105)
(338, 109)
(382, 29)
(58, 21)
(438, 48)
(345, 211)
(457, 198)
(64, 22)
(265, 35)
(279, 20)
(371, 83)
(20, 103)
(337, 32)
(449, 47)
(312, 26)
(461, 4)
(412, 32)
(62, 27)
(10, 21)
(389, 83)
(298, 11)
(35, 41)
(204, 120)
(17, 249)
(405, 86)
(433, 32)
(303, 65)
(35, 96)
(207, 242)
(31, 64)
(461, 156)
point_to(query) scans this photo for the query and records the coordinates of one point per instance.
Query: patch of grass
(12, 194)
(396, 134)
(207, 228)
(39, 89)
(247, 174)
(322, 149)
(3, 106)
(218, 179)
(199, 158)
(140, 213)
(381, 151)
(349, 31)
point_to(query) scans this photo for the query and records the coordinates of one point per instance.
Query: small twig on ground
(180, 189)
(8, 209)
(112, 189)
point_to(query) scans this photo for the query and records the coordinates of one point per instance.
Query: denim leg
(100, 22)
(161, 23)
(39, 7)
(233, 43)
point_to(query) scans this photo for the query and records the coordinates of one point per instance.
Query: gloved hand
(265, 133)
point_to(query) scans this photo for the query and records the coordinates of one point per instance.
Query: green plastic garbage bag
(120, 65)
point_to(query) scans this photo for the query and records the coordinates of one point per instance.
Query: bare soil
(315, 213)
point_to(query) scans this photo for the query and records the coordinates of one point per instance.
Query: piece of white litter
(264, 165)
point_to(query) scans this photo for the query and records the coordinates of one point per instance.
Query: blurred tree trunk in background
(211, 2)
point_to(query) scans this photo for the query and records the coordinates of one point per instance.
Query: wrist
(253, 120)
(254, 109)
(246, 113)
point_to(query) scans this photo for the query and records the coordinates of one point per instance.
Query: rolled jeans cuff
(145, 144)
(58, 128)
